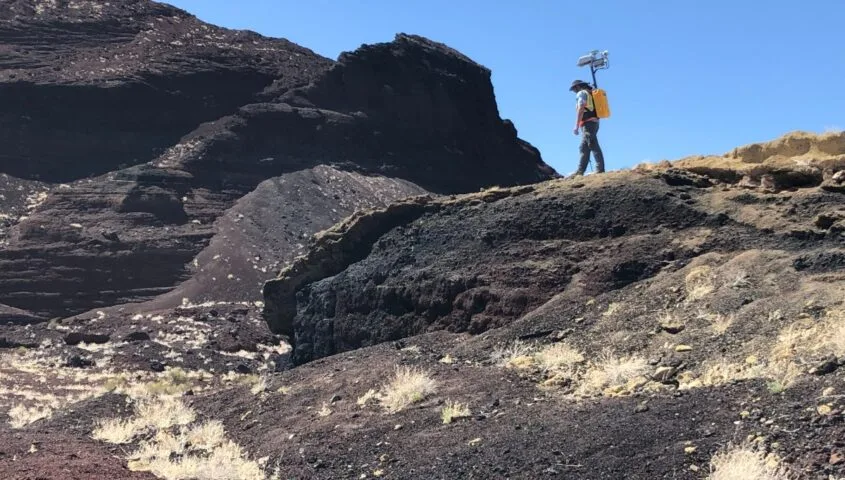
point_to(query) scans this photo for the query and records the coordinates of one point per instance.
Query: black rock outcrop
(163, 158)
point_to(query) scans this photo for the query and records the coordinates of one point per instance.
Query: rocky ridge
(404, 112)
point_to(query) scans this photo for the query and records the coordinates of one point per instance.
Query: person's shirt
(582, 98)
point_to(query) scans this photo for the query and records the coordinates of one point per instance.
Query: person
(586, 123)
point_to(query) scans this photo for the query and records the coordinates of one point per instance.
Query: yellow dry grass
(812, 338)
(453, 411)
(173, 457)
(368, 397)
(517, 354)
(746, 463)
(408, 386)
(558, 358)
(163, 412)
(115, 430)
(21, 415)
(609, 372)
(699, 283)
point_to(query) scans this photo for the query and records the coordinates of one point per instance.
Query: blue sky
(686, 77)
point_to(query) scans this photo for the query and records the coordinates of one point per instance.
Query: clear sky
(686, 77)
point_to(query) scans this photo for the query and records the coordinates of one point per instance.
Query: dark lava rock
(75, 338)
(76, 361)
(157, 366)
(161, 133)
(137, 337)
(827, 366)
(243, 369)
(8, 343)
(363, 284)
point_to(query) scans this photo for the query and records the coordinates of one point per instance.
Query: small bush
(699, 283)
(206, 436)
(366, 398)
(409, 386)
(454, 411)
(516, 354)
(21, 416)
(558, 357)
(115, 430)
(163, 413)
(169, 457)
(611, 371)
(745, 463)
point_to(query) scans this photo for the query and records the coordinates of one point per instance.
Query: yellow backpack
(600, 103)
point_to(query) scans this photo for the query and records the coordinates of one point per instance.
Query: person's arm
(578, 115)
(581, 103)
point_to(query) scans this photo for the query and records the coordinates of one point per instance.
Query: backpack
(600, 104)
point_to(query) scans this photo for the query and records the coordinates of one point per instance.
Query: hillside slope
(179, 120)
(664, 322)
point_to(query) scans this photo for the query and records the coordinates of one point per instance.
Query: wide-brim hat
(578, 83)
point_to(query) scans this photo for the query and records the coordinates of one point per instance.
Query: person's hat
(578, 83)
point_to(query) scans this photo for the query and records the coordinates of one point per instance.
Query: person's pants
(590, 143)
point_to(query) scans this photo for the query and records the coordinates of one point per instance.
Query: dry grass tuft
(718, 323)
(206, 436)
(699, 283)
(558, 358)
(163, 413)
(806, 340)
(610, 372)
(780, 374)
(409, 386)
(170, 457)
(262, 384)
(324, 411)
(21, 416)
(746, 463)
(366, 398)
(516, 355)
(174, 381)
(115, 430)
(612, 309)
(454, 411)
(739, 279)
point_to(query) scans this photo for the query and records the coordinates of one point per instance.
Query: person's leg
(595, 147)
(584, 148)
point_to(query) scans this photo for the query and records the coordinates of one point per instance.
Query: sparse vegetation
(558, 358)
(324, 411)
(610, 372)
(366, 398)
(746, 463)
(261, 385)
(454, 411)
(409, 386)
(174, 381)
(612, 309)
(21, 416)
(115, 430)
(173, 448)
(699, 283)
(516, 354)
(740, 279)
(172, 457)
(720, 323)
(163, 413)
(207, 435)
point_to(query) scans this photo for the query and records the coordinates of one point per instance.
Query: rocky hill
(224, 256)
(141, 139)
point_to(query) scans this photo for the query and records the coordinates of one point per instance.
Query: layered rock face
(153, 150)
(482, 261)
(89, 87)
